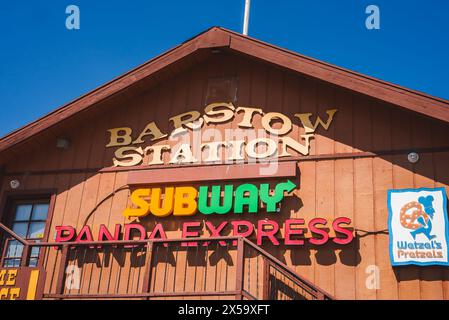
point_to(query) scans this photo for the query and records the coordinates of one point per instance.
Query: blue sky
(44, 65)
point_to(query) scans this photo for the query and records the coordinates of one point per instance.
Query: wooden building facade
(59, 171)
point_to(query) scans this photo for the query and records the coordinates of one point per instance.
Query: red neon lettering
(324, 235)
(186, 233)
(60, 230)
(236, 229)
(104, 233)
(289, 232)
(85, 235)
(270, 234)
(348, 233)
(215, 232)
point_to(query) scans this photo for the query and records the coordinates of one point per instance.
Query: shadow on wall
(325, 255)
(215, 255)
(428, 273)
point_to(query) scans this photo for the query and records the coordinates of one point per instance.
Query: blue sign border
(390, 214)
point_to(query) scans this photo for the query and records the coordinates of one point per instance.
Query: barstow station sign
(229, 201)
(238, 144)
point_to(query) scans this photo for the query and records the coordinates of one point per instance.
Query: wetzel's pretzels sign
(418, 226)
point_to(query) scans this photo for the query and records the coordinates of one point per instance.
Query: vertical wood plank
(325, 192)
(347, 256)
(383, 181)
(61, 271)
(363, 197)
(146, 285)
(424, 177)
(240, 269)
(408, 277)
(442, 180)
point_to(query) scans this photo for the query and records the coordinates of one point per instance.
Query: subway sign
(188, 200)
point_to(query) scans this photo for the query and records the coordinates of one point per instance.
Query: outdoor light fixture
(14, 184)
(62, 143)
(413, 157)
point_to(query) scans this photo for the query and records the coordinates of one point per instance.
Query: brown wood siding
(352, 187)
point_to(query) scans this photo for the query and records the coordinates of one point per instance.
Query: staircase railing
(206, 268)
(279, 281)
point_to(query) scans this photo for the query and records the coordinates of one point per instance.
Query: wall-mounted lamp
(413, 157)
(14, 184)
(62, 143)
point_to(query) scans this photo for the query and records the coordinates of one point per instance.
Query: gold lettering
(252, 146)
(184, 120)
(150, 130)
(295, 145)
(236, 148)
(307, 123)
(2, 277)
(134, 158)
(14, 293)
(213, 147)
(213, 110)
(248, 114)
(12, 274)
(157, 153)
(274, 123)
(185, 153)
(4, 293)
(269, 117)
(120, 137)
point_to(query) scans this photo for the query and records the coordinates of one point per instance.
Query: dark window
(223, 89)
(28, 222)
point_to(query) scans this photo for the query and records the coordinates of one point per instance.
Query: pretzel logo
(417, 216)
(409, 217)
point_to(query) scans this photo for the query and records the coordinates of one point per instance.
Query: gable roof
(217, 37)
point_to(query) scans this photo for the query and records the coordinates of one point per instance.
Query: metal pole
(246, 18)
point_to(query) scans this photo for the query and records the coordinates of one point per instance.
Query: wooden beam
(323, 157)
(210, 173)
(266, 280)
(142, 295)
(382, 90)
(146, 288)
(25, 256)
(239, 269)
(61, 271)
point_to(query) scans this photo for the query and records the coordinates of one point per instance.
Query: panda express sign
(229, 202)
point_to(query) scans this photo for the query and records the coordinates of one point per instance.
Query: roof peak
(217, 36)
